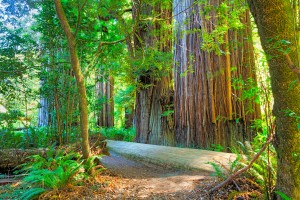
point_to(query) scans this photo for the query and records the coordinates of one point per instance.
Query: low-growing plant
(11, 139)
(33, 137)
(56, 171)
(283, 195)
(118, 133)
(216, 147)
(262, 172)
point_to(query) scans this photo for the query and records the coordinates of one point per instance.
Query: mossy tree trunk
(79, 78)
(277, 31)
(209, 104)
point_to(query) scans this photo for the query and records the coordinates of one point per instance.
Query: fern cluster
(54, 172)
(263, 171)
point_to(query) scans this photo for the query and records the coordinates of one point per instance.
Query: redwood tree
(154, 96)
(105, 95)
(277, 29)
(214, 66)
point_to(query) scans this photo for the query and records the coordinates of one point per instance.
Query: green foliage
(249, 89)
(119, 133)
(32, 193)
(12, 139)
(293, 115)
(54, 172)
(229, 15)
(282, 195)
(263, 171)
(154, 64)
(216, 147)
(219, 170)
(8, 119)
(31, 137)
(167, 113)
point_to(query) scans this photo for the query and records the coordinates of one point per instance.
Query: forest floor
(125, 178)
(128, 179)
(136, 180)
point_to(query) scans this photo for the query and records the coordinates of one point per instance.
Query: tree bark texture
(105, 94)
(79, 79)
(129, 116)
(276, 27)
(208, 108)
(154, 96)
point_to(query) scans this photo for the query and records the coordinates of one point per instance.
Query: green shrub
(216, 147)
(11, 139)
(118, 133)
(32, 137)
(53, 172)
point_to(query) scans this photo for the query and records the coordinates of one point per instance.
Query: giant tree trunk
(154, 96)
(105, 96)
(79, 79)
(276, 27)
(208, 109)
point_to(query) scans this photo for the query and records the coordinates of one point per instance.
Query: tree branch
(231, 177)
(109, 43)
(294, 69)
(79, 17)
(99, 48)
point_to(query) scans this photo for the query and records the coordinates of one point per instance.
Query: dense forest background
(185, 73)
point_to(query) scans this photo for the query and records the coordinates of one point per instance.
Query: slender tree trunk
(277, 31)
(208, 109)
(58, 117)
(79, 78)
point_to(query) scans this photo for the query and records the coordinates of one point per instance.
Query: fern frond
(283, 196)
(32, 193)
(218, 170)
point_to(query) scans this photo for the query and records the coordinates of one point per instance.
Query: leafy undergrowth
(99, 185)
(105, 186)
(65, 176)
(121, 134)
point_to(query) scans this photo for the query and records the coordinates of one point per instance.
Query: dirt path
(147, 181)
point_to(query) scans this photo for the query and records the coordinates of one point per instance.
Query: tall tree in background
(71, 37)
(278, 30)
(105, 101)
(152, 45)
(214, 66)
(43, 114)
